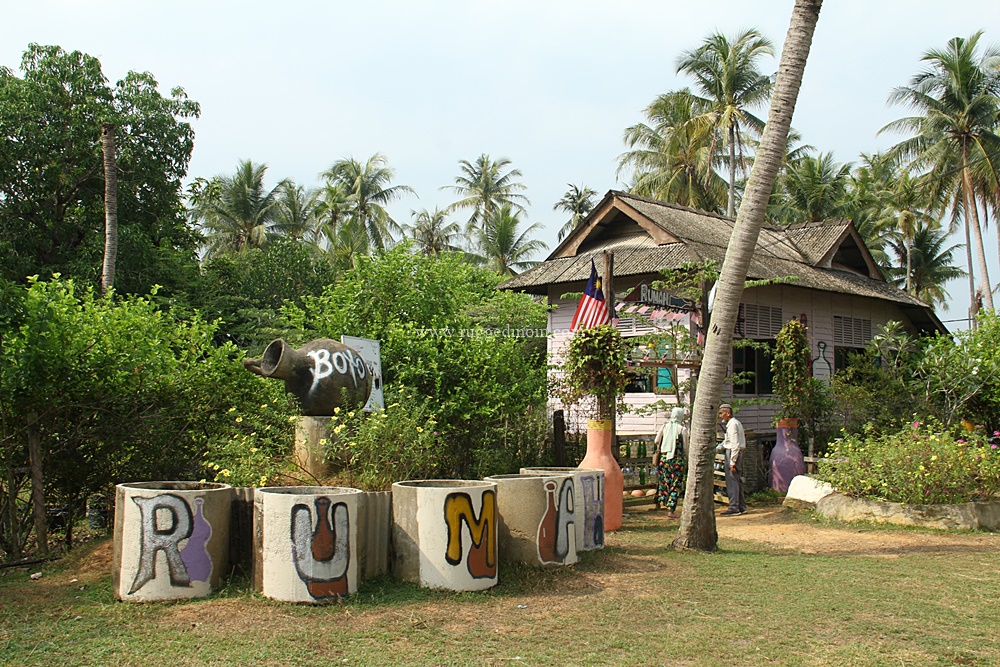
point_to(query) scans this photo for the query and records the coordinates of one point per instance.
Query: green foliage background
(476, 355)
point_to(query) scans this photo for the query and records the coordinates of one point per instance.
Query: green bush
(399, 443)
(919, 463)
(451, 339)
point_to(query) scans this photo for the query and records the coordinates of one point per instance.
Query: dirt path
(781, 528)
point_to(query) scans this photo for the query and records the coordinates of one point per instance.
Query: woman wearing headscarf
(668, 458)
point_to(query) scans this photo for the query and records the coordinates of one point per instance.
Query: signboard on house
(371, 351)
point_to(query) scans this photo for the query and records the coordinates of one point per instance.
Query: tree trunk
(110, 207)
(972, 209)
(37, 486)
(972, 274)
(731, 204)
(14, 521)
(697, 529)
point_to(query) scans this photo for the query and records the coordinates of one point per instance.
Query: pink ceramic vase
(599, 457)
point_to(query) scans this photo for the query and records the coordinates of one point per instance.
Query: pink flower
(993, 446)
(916, 424)
(961, 441)
(996, 432)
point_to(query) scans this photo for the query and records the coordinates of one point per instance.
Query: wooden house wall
(818, 307)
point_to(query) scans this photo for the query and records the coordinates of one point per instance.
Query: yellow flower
(263, 480)
(351, 413)
(934, 458)
(420, 430)
(336, 411)
(253, 450)
(382, 415)
(239, 419)
(232, 409)
(322, 441)
(224, 473)
(263, 406)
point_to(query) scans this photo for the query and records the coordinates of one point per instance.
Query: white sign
(371, 351)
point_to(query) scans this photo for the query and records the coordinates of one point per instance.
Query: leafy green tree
(51, 181)
(119, 390)
(503, 247)
(484, 187)
(236, 212)
(958, 111)
(726, 73)
(672, 155)
(245, 291)
(578, 202)
(369, 190)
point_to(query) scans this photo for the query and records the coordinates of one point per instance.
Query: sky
(550, 85)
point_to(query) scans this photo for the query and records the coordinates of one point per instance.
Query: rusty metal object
(322, 374)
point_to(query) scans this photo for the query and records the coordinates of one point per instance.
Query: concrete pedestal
(445, 533)
(306, 542)
(312, 438)
(537, 518)
(171, 539)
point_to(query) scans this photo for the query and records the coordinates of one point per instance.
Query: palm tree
(295, 213)
(369, 191)
(332, 210)
(673, 153)
(929, 265)
(697, 530)
(813, 189)
(578, 202)
(432, 233)
(503, 248)
(236, 212)
(484, 188)
(956, 99)
(726, 74)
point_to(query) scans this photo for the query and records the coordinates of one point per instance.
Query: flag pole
(608, 285)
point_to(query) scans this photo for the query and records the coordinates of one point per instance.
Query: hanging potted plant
(792, 369)
(596, 365)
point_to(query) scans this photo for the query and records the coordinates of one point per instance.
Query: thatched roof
(648, 235)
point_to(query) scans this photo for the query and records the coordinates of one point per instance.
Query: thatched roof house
(838, 291)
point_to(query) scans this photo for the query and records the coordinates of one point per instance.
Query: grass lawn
(783, 590)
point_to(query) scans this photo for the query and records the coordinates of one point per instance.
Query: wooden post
(37, 486)
(559, 438)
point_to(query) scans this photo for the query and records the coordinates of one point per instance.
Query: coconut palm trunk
(697, 529)
(972, 220)
(731, 205)
(110, 207)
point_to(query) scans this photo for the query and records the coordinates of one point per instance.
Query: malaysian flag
(591, 311)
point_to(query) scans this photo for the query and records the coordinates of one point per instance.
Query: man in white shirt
(735, 443)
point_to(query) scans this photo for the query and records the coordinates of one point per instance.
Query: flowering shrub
(399, 443)
(250, 444)
(920, 464)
